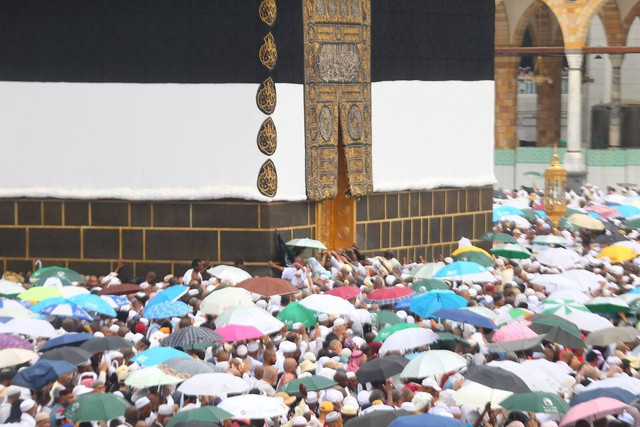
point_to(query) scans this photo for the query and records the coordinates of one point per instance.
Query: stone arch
(502, 38)
(574, 21)
(526, 22)
(610, 17)
(627, 21)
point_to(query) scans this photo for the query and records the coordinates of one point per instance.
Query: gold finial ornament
(555, 184)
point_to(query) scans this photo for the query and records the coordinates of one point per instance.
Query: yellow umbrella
(40, 293)
(586, 221)
(469, 248)
(617, 253)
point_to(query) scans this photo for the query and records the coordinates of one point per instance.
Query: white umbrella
(7, 287)
(558, 257)
(72, 291)
(433, 362)
(150, 377)
(477, 395)
(329, 304)
(556, 282)
(250, 315)
(550, 239)
(569, 293)
(558, 370)
(217, 270)
(406, 339)
(536, 379)
(306, 243)
(520, 222)
(620, 380)
(426, 271)
(218, 301)
(586, 279)
(234, 275)
(629, 244)
(615, 198)
(213, 384)
(30, 327)
(587, 321)
(16, 312)
(254, 406)
(15, 356)
(482, 311)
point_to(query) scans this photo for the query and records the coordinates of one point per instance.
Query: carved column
(614, 110)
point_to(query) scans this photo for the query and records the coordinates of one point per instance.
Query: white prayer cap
(142, 402)
(241, 350)
(287, 347)
(253, 346)
(27, 404)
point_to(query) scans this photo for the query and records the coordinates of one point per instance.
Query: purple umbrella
(12, 341)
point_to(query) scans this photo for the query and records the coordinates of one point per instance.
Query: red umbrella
(344, 292)
(120, 290)
(593, 410)
(389, 295)
(268, 286)
(604, 211)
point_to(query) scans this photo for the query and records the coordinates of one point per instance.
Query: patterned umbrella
(192, 338)
(476, 257)
(66, 310)
(13, 303)
(166, 310)
(511, 251)
(386, 296)
(562, 306)
(426, 285)
(172, 293)
(384, 316)
(389, 330)
(64, 276)
(12, 341)
(187, 367)
(497, 237)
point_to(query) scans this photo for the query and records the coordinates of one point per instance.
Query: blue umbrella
(155, 356)
(628, 210)
(46, 303)
(42, 372)
(635, 290)
(66, 339)
(67, 309)
(13, 303)
(93, 302)
(167, 309)
(542, 214)
(465, 316)
(427, 304)
(118, 300)
(612, 392)
(498, 213)
(426, 420)
(172, 293)
(595, 215)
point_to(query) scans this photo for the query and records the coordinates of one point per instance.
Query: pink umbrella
(238, 333)
(593, 410)
(512, 332)
(344, 292)
(604, 211)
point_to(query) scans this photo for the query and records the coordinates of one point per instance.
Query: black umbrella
(498, 378)
(102, 344)
(192, 337)
(608, 239)
(378, 370)
(376, 418)
(73, 355)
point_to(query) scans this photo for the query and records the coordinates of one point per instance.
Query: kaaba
(159, 131)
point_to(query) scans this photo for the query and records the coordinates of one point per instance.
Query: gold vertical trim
(219, 245)
(82, 242)
(15, 213)
(190, 215)
(129, 214)
(151, 213)
(120, 242)
(144, 244)
(42, 212)
(89, 213)
(63, 212)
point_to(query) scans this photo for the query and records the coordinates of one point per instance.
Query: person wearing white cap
(145, 413)
(28, 408)
(285, 349)
(253, 354)
(299, 421)
(13, 394)
(165, 412)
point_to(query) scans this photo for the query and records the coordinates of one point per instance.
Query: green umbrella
(550, 239)
(562, 306)
(536, 401)
(511, 251)
(208, 414)
(530, 214)
(385, 316)
(426, 271)
(633, 223)
(566, 224)
(477, 257)
(497, 237)
(312, 383)
(386, 332)
(557, 329)
(66, 276)
(297, 313)
(96, 407)
(447, 340)
(633, 300)
(422, 286)
(608, 305)
(40, 293)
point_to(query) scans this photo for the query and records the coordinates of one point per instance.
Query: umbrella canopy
(586, 321)
(150, 377)
(407, 339)
(465, 316)
(93, 302)
(208, 414)
(378, 370)
(497, 237)
(42, 372)
(630, 244)
(15, 356)
(40, 293)
(155, 356)
(427, 304)
(10, 289)
(425, 285)
(312, 383)
(612, 335)
(481, 310)
(569, 294)
(550, 239)
(498, 378)
(557, 370)
(268, 286)
(384, 316)
(516, 345)
(13, 303)
(297, 313)
(379, 418)
(96, 407)
(167, 310)
(617, 393)
(64, 276)
(254, 406)
(218, 301)
(187, 367)
(617, 254)
(558, 257)
(15, 312)
(232, 333)
(608, 239)
(502, 211)
(477, 257)
(426, 271)
(513, 332)
(306, 243)
(518, 220)
(68, 309)
(73, 355)
(511, 251)
(231, 274)
(345, 292)
(172, 293)
(433, 362)
(385, 333)
(12, 341)
(592, 410)
(329, 304)
(101, 344)
(449, 337)
(536, 401)
(585, 221)
(535, 378)
(603, 211)
(386, 296)
(557, 329)
(561, 307)
(213, 384)
(623, 381)
(589, 281)
(557, 282)
(426, 420)
(462, 270)
(191, 337)
(30, 327)
(610, 305)
(476, 395)
(250, 315)
(72, 291)
(124, 289)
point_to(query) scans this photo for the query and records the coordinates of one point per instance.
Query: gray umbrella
(612, 335)
(517, 345)
(102, 344)
(187, 366)
(494, 377)
(191, 338)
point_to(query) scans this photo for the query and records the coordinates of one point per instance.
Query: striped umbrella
(66, 310)
(562, 306)
(393, 295)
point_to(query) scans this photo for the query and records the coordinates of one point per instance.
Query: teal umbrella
(477, 257)
(497, 237)
(386, 332)
(312, 383)
(422, 286)
(206, 414)
(536, 401)
(96, 407)
(297, 313)
(57, 275)
(385, 316)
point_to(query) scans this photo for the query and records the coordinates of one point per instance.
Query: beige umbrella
(218, 301)
(586, 221)
(15, 356)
